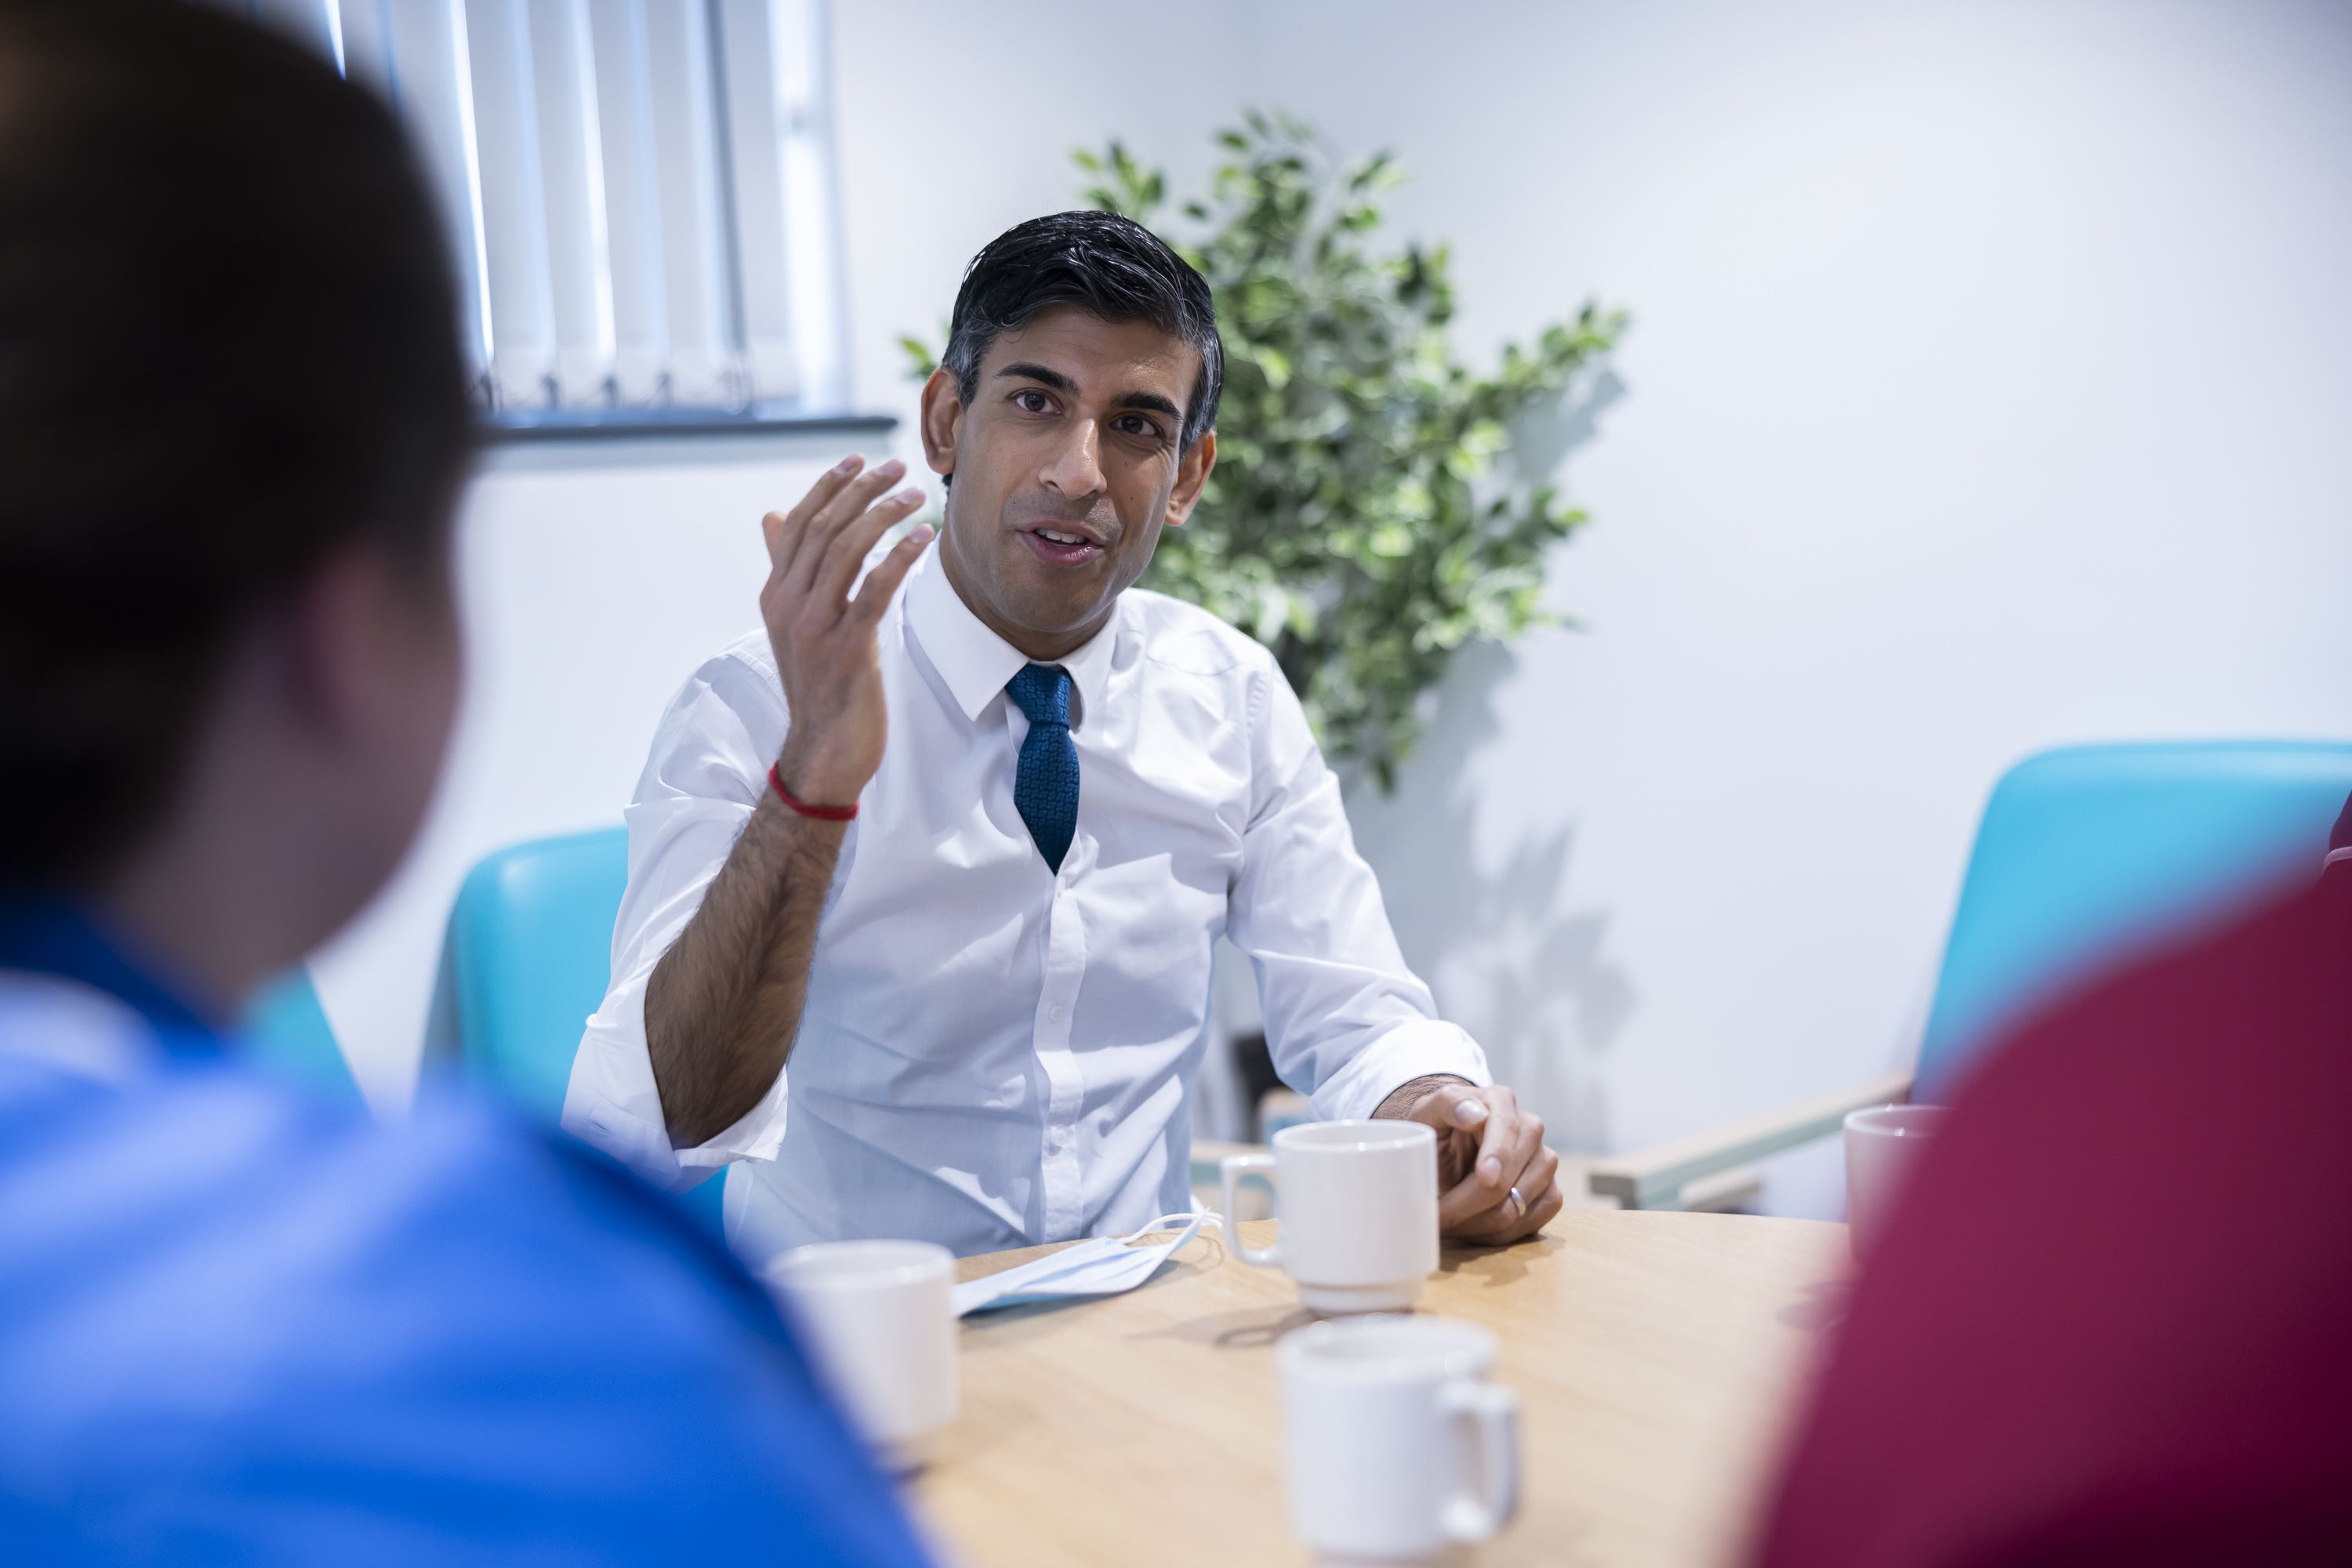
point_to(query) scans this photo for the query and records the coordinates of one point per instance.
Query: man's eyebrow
(1024, 371)
(1150, 402)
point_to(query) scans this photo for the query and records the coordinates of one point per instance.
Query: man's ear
(942, 416)
(1191, 474)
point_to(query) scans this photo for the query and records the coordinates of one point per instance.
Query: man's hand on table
(1496, 1183)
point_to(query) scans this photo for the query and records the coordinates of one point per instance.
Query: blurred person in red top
(2112, 1320)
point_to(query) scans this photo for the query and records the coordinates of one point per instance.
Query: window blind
(638, 193)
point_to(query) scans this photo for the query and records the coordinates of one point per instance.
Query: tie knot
(1041, 691)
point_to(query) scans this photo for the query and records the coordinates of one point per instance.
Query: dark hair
(228, 348)
(1107, 266)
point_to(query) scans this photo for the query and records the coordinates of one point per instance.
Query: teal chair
(286, 1031)
(2089, 852)
(531, 944)
(2083, 855)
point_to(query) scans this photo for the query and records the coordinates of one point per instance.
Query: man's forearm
(723, 1004)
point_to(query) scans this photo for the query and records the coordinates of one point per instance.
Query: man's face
(1067, 463)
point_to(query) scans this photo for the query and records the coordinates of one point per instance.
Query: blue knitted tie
(1045, 788)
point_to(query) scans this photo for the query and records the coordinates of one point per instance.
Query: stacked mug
(1399, 1448)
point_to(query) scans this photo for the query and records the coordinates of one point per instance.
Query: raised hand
(723, 1005)
(825, 639)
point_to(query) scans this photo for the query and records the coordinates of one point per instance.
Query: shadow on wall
(1541, 441)
(1508, 956)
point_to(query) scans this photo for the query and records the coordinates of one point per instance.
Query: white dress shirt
(991, 1055)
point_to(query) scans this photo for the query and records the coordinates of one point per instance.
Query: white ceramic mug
(1882, 1145)
(879, 1325)
(1358, 1201)
(1398, 1449)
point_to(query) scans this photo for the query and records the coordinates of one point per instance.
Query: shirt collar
(975, 662)
(50, 936)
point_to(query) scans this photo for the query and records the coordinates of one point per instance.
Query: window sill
(516, 427)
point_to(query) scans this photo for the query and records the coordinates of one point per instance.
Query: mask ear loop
(1185, 1223)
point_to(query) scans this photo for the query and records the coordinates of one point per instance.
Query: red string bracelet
(819, 813)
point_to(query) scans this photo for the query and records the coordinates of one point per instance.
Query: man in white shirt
(953, 986)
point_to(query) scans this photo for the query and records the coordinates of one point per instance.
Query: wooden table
(1652, 1354)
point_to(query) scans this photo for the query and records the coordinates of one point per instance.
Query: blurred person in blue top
(239, 1324)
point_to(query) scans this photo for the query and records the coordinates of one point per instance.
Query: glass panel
(632, 211)
(746, 45)
(513, 202)
(703, 364)
(571, 173)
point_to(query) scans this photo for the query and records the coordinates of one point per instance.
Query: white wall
(1988, 389)
(956, 121)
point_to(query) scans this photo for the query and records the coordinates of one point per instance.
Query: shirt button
(1057, 1012)
(1057, 1136)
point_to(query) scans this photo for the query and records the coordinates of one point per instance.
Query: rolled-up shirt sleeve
(701, 783)
(1347, 1021)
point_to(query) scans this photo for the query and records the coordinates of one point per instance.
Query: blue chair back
(286, 1031)
(531, 942)
(2087, 852)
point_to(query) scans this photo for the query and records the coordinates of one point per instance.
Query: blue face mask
(1102, 1266)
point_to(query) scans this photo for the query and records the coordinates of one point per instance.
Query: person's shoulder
(520, 1221)
(2234, 1002)
(2120, 1215)
(464, 1215)
(1177, 634)
(2219, 1049)
(296, 1302)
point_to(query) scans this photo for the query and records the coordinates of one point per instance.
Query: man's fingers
(842, 493)
(1466, 1108)
(784, 531)
(848, 504)
(829, 592)
(1465, 1201)
(1538, 1177)
(1498, 1148)
(1505, 1222)
(1497, 1143)
(1461, 1203)
(887, 573)
(1487, 1119)
(1541, 1212)
(1526, 1151)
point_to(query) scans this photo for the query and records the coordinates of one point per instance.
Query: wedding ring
(1518, 1204)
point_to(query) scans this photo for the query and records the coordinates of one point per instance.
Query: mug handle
(1487, 1414)
(1233, 1168)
